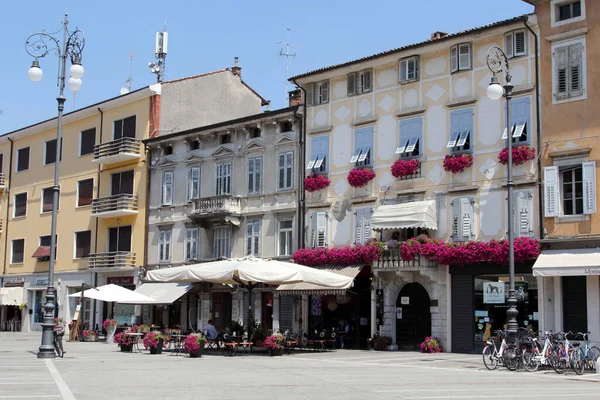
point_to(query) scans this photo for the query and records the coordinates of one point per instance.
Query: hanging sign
(493, 293)
(404, 300)
(398, 312)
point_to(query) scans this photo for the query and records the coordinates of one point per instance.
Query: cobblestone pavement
(100, 371)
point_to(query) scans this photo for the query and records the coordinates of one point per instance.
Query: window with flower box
(363, 147)
(520, 121)
(411, 136)
(319, 155)
(461, 131)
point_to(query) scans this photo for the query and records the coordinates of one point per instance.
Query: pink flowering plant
(194, 342)
(338, 256)
(359, 177)
(89, 334)
(152, 339)
(431, 345)
(409, 250)
(274, 342)
(123, 339)
(402, 168)
(316, 182)
(59, 321)
(520, 155)
(109, 323)
(458, 163)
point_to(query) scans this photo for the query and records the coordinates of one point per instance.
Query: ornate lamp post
(39, 45)
(498, 63)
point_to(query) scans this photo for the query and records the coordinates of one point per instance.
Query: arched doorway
(413, 317)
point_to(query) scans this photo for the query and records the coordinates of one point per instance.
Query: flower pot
(126, 348)
(110, 333)
(259, 343)
(196, 354)
(276, 352)
(158, 349)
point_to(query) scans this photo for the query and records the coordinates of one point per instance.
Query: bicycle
(59, 332)
(590, 354)
(536, 356)
(491, 355)
(567, 355)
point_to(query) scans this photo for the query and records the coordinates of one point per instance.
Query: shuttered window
(319, 154)
(23, 159)
(460, 57)
(255, 175)
(83, 242)
(317, 93)
(411, 137)
(318, 230)
(570, 189)
(50, 152)
(17, 251)
(85, 192)
(515, 43)
(463, 219)
(164, 245)
(408, 69)
(87, 140)
(223, 179)
(286, 170)
(360, 82)
(167, 189)
(362, 225)
(253, 242)
(20, 205)
(193, 183)
(569, 70)
(522, 214)
(363, 147)
(222, 241)
(461, 131)
(48, 199)
(191, 244)
(520, 116)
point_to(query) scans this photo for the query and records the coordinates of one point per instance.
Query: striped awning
(308, 288)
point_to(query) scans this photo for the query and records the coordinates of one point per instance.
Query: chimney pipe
(236, 69)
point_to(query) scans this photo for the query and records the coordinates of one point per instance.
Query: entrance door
(574, 303)
(415, 322)
(119, 238)
(462, 314)
(121, 183)
(221, 310)
(267, 310)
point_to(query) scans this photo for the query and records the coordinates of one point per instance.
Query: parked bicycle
(590, 353)
(492, 355)
(59, 332)
(538, 355)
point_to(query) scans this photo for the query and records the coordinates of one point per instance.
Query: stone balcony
(225, 208)
(116, 151)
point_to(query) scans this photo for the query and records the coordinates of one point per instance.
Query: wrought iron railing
(226, 204)
(120, 146)
(391, 259)
(117, 202)
(113, 259)
(2, 181)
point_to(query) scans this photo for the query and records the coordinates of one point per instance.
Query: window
(50, 152)
(193, 183)
(191, 244)
(520, 117)
(319, 154)
(18, 249)
(20, 204)
(195, 144)
(317, 93)
(124, 128)
(255, 175)
(411, 134)
(225, 138)
(567, 10)
(409, 69)
(222, 241)
(121, 183)
(1, 163)
(463, 219)
(164, 245)
(362, 225)
(461, 131)
(223, 179)
(522, 213)
(167, 189)
(285, 237)
(363, 147)
(254, 132)
(515, 43)
(87, 140)
(286, 169)
(85, 192)
(168, 150)
(360, 82)
(23, 159)
(570, 189)
(569, 70)
(318, 229)
(48, 199)
(460, 57)
(253, 241)
(45, 242)
(286, 126)
(83, 242)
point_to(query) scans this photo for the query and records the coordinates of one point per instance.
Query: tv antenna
(286, 53)
(160, 53)
(127, 88)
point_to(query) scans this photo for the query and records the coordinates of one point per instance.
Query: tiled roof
(414, 45)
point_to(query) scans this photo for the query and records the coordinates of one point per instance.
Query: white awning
(571, 262)
(113, 293)
(350, 271)
(162, 293)
(11, 296)
(418, 214)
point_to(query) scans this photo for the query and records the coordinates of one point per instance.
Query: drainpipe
(7, 190)
(538, 130)
(301, 194)
(148, 155)
(95, 274)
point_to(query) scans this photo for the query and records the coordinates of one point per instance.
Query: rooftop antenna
(286, 53)
(160, 52)
(127, 88)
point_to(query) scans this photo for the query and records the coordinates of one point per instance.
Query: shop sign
(493, 293)
(41, 282)
(14, 282)
(405, 300)
(398, 312)
(120, 280)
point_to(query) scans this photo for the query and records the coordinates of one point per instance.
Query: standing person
(343, 330)
(211, 331)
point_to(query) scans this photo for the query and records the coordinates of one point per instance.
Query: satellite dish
(124, 90)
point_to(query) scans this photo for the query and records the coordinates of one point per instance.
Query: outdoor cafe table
(135, 337)
(177, 341)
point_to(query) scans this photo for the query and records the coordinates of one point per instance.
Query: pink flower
(316, 182)
(520, 155)
(402, 168)
(458, 163)
(359, 177)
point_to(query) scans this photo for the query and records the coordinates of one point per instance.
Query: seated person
(343, 330)
(210, 330)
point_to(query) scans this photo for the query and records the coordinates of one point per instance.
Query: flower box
(520, 155)
(458, 163)
(359, 177)
(404, 168)
(316, 182)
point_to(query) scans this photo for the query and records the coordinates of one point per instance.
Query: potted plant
(316, 182)
(402, 168)
(359, 177)
(274, 344)
(124, 341)
(431, 345)
(144, 328)
(89, 335)
(259, 336)
(520, 155)
(156, 341)
(110, 326)
(193, 344)
(458, 163)
(382, 343)
(235, 328)
(59, 321)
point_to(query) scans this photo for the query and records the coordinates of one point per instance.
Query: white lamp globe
(35, 73)
(76, 71)
(74, 84)
(495, 91)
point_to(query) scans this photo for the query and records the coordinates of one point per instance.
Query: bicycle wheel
(530, 363)
(489, 358)
(556, 361)
(577, 362)
(590, 360)
(61, 351)
(510, 357)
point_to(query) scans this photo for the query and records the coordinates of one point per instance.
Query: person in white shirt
(210, 330)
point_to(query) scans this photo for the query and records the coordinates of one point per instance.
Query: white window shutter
(464, 55)
(508, 45)
(520, 43)
(351, 84)
(310, 94)
(575, 70)
(455, 219)
(454, 58)
(417, 68)
(322, 229)
(367, 212)
(367, 81)
(523, 213)
(324, 92)
(561, 55)
(466, 218)
(589, 187)
(358, 224)
(551, 194)
(403, 68)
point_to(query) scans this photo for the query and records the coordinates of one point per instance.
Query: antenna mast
(127, 88)
(286, 53)
(160, 53)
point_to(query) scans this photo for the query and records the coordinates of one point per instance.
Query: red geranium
(458, 163)
(359, 177)
(520, 155)
(402, 168)
(316, 182)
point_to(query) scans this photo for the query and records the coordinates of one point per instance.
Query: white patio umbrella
(114, 293)
(248, 272)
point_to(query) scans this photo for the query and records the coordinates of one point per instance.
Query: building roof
(223, 124)
(414, 46)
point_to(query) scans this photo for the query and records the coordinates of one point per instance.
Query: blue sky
(206, 35)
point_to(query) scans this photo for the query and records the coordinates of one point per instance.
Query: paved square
(100, 371)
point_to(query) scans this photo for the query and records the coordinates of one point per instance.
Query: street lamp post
(38, 46)
(498, 63)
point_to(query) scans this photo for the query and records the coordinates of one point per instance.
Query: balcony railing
(1, 226)
(215, 206)
(119, 150)
(113, 259)
(2, 181)
(391, 259)
(115, 206)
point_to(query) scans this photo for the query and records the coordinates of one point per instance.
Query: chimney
(438, 35)
(236, 69)
(295, 98)
(268, 106)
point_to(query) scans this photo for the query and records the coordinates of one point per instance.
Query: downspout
(302, 194)
(148, 181)
(538, 130)
(7, 190)
(95, 282)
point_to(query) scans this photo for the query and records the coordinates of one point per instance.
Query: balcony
(1, 225)
(226, 208)
(2, 182)
(390, 260)
(113, 259)
(118, 205)
(124, 149)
